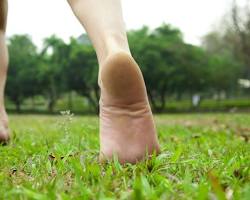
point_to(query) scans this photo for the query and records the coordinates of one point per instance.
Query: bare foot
(127, 128)
(4, 130)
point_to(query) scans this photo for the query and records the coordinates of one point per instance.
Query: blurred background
(194, 55)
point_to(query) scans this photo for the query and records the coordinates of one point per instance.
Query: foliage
(82, 72)
(230, 39)
(171, 68)
(22, 80)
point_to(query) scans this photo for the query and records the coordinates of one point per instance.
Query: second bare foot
(4, 130)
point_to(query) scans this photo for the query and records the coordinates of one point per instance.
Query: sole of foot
(127, 129)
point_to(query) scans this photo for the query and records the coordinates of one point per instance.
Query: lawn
(204, 156)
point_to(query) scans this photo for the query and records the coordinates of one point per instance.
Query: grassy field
(80, 105)
(203, 157)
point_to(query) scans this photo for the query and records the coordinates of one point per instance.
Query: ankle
(113, 44)
(2, 110)
(116, 41)
(116, 54)
(3, 118)
(2, 33)
(4, 59)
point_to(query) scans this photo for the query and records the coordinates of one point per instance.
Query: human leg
(4, 134)
(126, 123)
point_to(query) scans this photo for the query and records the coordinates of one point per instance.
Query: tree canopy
(171, 67)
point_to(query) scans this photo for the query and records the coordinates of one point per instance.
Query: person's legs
(126, 122)
(4, 134)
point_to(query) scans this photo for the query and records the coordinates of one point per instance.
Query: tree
(224, 73)
(229, 49)
(82, 72)
(22, 82)
(241, 28)
(154, 51)
(55, 56)
(169, 65)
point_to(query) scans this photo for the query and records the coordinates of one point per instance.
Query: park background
(194, 56)
(206, 70)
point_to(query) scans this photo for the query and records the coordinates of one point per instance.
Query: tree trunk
(18, 106)
(33, 103)
(51, 105)
(163, 102)
(52, 102)
(94, 104)
(152, 100)
(96, 98)
(97, 94)
(52, 96)
(179, 96)
(70, 100)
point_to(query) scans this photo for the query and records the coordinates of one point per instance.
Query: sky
(42, 18)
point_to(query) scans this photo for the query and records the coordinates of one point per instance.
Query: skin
(127, 128)
(4, 132)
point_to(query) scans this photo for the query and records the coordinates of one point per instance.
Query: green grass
(80, 105)
(204, 157)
